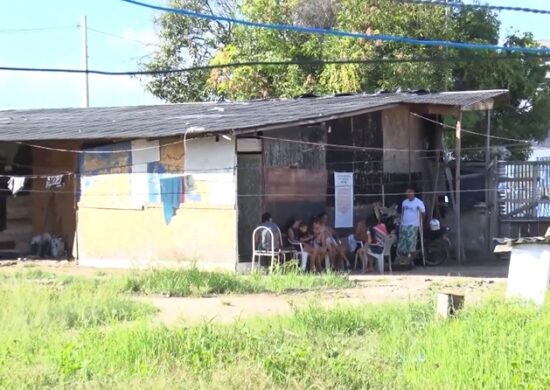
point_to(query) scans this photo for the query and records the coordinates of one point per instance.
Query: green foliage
(186, 41)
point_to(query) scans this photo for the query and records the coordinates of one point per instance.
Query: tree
(188, 42)
(194, 42)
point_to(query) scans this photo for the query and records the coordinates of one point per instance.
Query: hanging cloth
(16, 184)
(170, 193)
(54, 182)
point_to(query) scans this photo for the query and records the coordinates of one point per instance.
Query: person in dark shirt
(265, 242)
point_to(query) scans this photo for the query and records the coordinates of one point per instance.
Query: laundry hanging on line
(170, 196)
(54, 182)
(16, 184)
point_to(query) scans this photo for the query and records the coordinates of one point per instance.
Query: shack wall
(169, 205)
(354, 134)
(295, 176)
(53, 211)
(402, 132)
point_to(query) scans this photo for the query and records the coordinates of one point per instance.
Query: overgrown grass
(193, 282)
(74, 334)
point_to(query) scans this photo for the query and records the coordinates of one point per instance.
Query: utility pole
(488, 183)
(458, 151)
(84, 47)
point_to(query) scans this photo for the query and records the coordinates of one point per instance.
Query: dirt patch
(374, 289)
(418, 285)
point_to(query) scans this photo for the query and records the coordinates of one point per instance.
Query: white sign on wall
(343, 199)
(529, 272)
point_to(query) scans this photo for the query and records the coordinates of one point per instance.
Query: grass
(193, 282)
(74, 333)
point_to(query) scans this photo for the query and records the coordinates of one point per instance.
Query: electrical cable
(454, 4)
(275, 63)
(249, 195)
(342, 33)
(318, 144)
(95, 30)
(468, 131)
(372, 148)
(84, 151)
(36, 29)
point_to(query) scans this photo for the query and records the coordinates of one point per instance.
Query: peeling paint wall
(134, 212)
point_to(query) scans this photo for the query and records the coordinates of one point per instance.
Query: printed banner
(343, 199)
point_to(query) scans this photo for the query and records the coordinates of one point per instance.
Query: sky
(135, 39)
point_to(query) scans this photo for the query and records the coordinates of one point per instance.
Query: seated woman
(299, 236)
(361, 235)
(292, 230)
(376, 236)
(320, 239)
(336, 251)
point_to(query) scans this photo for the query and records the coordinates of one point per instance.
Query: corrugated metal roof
(506, 244)
(463, 99)
(176, 119)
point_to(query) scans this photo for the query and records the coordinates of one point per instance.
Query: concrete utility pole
(458, 151)
(86, 86)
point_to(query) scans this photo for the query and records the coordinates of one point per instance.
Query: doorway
(249, 200)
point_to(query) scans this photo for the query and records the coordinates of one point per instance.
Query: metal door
(249, 200)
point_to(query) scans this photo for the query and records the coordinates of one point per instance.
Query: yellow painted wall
(114, 231)
(108, 237)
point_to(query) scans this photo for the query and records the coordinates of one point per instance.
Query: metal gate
(523, 194)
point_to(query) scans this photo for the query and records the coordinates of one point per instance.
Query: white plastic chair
(302, 254)
(353, 242)
(379, 257)
(273, 252)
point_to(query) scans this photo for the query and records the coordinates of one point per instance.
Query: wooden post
(495, 215)
(449, 304)
(488, 189)
(458, 154)
(436, 186)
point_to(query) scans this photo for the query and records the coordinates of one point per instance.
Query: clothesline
(17, 183)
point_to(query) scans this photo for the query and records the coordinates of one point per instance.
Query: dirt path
(417, 285)
(382, 289)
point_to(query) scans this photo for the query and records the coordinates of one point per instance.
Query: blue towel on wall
(170, 191)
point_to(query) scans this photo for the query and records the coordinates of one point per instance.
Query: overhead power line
(95, 30)
(455, 4)
(36, 29)
(342, 33)
(470, 131)
(273, 63)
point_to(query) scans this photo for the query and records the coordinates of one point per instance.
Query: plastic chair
(353, 242)
(273, 252)
(379, 257)
(302, 254)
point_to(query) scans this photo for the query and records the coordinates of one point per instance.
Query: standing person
(412, 210)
